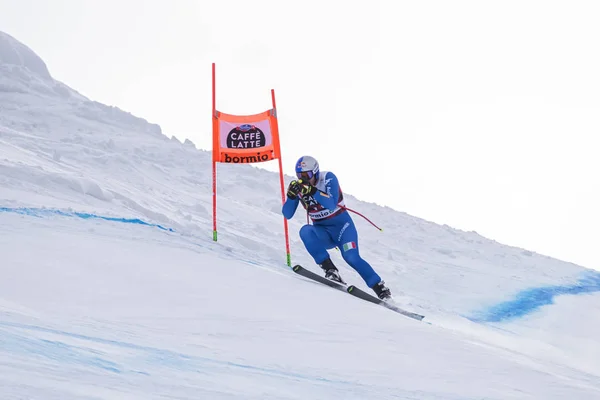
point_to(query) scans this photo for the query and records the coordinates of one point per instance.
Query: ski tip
(296, 267)
(418, 317)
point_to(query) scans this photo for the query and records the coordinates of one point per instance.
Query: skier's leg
(348, 245)
(317, 241)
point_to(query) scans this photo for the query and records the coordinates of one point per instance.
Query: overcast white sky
(483, 115)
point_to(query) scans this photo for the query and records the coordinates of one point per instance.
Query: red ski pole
(356, 212)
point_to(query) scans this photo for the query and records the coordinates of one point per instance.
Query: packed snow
(111, 286)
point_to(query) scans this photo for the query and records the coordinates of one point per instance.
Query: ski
(311, 275)
(354, 291)
(361, 294)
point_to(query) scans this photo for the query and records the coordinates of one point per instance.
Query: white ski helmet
(307, 167)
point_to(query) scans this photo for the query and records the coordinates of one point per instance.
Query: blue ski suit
(332, 226)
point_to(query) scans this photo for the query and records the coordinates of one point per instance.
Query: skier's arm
(289, 207)
(329, 198)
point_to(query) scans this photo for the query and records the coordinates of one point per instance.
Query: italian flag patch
(349, 246)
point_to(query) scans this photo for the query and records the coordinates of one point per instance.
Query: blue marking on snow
(46, 212)
(530, 300)
(56, 351)
(85, 354)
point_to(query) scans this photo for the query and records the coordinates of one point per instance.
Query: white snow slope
(111, 286)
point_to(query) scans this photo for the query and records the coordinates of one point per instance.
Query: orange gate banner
(243, 139)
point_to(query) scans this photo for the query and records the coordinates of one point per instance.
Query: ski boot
(331, 272)
(382, 291)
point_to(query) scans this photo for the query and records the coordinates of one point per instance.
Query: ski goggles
(305, 175)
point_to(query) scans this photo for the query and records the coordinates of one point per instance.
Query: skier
(321, 196)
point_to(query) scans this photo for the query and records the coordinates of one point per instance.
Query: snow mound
(15, 53)
(29, 93)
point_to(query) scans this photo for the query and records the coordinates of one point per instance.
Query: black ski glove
(293, 190)
(306, 189)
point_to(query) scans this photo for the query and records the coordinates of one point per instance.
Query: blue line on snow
(55, 350)
(530, 300)
(43, 212)
(65, 352)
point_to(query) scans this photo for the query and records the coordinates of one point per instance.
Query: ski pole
(356, 212)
